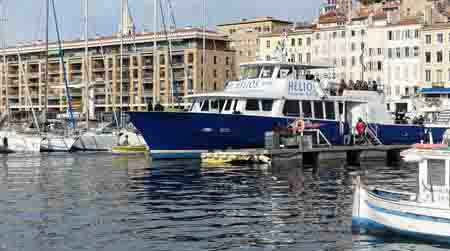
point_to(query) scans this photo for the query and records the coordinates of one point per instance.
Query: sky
(25, 19)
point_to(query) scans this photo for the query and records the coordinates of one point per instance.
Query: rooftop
(257, 20)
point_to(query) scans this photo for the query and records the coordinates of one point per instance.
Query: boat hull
(94, 141)
(18, 142)
(55, 143)
(388, 213)
(187, 135)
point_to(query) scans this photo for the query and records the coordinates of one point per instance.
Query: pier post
(354, 157)
(393, 157)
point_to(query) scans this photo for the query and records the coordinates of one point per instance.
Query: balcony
(438, 84)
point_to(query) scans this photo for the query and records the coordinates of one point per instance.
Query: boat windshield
(251, 71)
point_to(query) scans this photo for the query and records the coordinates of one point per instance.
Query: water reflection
(104, 202)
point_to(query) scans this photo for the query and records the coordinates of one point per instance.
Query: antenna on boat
(3, 34)
(121, 61)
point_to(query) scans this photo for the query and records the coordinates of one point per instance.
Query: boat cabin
(434, 180)
(277, 89)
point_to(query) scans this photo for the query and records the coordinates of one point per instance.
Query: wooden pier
(353, 155)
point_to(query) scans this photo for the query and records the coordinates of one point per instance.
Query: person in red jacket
(360, 130)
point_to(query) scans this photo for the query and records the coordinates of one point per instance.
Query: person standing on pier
(361, 130)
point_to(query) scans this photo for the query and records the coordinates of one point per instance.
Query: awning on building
(435, 90)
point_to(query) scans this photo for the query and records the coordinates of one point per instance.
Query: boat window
(252, 105)
(306, 108)
(221, 104)
(214, 105)
(228, 105)
(341, 108)
(267, 72)
(318, 110)
(291, 108)
(235, 105)
(249, 72)
(285, 72)
(436, 172)
(205, 106)
(329, 110)
(267, 105)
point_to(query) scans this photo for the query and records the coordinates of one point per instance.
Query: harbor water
(104, 202)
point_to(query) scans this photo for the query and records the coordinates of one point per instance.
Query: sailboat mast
(121, 60)
(47, 13)
(204, 45)
(4, 67)
(155, 49)
(86, 60)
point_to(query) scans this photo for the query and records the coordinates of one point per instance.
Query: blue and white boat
(270, 93)
(424, 215)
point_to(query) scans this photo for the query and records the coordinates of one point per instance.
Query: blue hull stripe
(409, 215)
(376, 227)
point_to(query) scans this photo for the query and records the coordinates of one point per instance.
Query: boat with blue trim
(270, 94)
(424, 215)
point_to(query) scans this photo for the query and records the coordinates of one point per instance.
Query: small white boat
(424, 215)
(94, 140)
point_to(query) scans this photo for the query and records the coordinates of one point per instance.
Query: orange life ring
(300, 125)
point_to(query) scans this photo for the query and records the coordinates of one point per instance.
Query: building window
(268, 44)
(267, 58)
(308, 58)
(428, 75)
(440, 38)
(416, 51)
(389, 52)
(353, 61)
(439, 76)
(317, 36)
(215, 73)
(334, 34)
(407, 52)
(300, 58)
(370, 52)
(448, 74)
(353, 33)
(379, 66)
(227, 61)
(300, 42)
(292, 42)
(398, 52)
(390, 35)
(342, 34)
(227, 74)
(215, 86)
(380, 51)
(363, 32)
(416, 33)
(308, 41)
(428, 39)
(343, 61)
(427, 57)
(215, 59)
(249, 53)
(353, 47)
(439, 56)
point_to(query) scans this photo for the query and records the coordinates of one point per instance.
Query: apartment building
(298, 45)
(144, 80)
(245, 34)
(436, 65)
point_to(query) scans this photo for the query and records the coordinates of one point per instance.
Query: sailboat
(104, 138)
(52, 141)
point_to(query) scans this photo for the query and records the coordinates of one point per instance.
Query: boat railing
(373, 135)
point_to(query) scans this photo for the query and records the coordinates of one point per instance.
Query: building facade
(144, 80)
(244, 36)
(436, 65)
